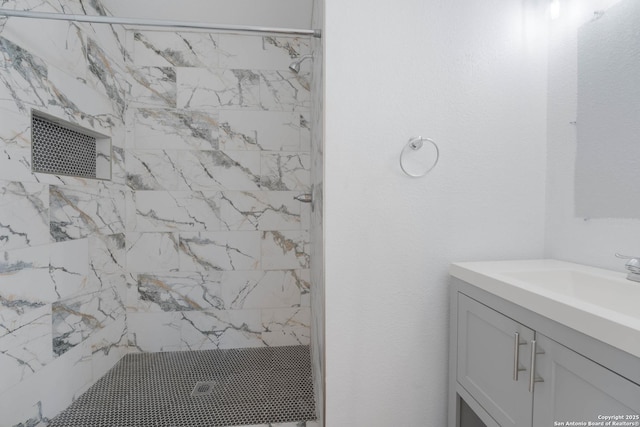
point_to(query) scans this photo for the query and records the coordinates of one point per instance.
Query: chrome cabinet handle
(532, 374)
(516, 355)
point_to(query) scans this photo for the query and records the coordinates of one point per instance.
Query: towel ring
(415, 144)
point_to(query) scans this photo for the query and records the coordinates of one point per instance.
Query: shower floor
(255, 386)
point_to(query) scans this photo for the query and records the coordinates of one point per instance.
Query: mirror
(607, 173)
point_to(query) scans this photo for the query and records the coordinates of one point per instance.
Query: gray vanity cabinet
(488, 355)
(491, 364)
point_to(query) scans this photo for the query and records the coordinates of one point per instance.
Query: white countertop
(600, 303)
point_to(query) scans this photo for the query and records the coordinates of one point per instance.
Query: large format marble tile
(57, 384)
(79, 212)
(15, 144)
(69, 267)
(29, 82)
(285, 250)
(107, 253)
(259, 289)
(286, 326)
(112, 39)
(154, 332)
(177, 49)
(59, 44)
(193, 170)
(179, 291)
(23, 77)
(286, 171)
(24, 350)
(260, 52)
(211, 329)
(154, 170)
(108, 346)
(24, 214)
(234, 290)
(223, 250)
(218, 170)
(107, 262)
(177, 211)
(118, 164)
(260, 210)
(40, 397)
(203, 89)
(107, 76)
(153, 87)
(74, 101)
(160, 129)
(260, 130)
(25, 284)
(152, 252)
(77, 318)
(284, 91)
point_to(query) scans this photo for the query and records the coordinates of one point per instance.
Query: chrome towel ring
(409, 163)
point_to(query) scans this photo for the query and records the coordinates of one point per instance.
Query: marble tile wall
(218, 144)
(195, 243)
(317, 224)
(62, 241)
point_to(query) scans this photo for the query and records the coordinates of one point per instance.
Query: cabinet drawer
(487, 355)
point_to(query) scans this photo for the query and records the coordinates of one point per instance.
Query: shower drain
(203, 388)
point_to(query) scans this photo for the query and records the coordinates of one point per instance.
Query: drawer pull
(532, 373)
(516, 355)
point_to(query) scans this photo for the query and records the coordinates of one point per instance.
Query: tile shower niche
(63, 148)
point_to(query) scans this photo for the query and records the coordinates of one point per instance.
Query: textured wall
(472, 76)
(62, 277)
(569, 237)
(217, 147)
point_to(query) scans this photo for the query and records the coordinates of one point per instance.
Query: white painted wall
(571, 238)
(271, 13)
(471, 75)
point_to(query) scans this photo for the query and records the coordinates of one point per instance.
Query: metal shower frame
(138, 22)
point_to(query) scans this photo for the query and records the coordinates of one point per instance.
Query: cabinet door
(575, 388)
(487, 353)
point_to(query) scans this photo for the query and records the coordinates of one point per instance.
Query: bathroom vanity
(543, 343)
